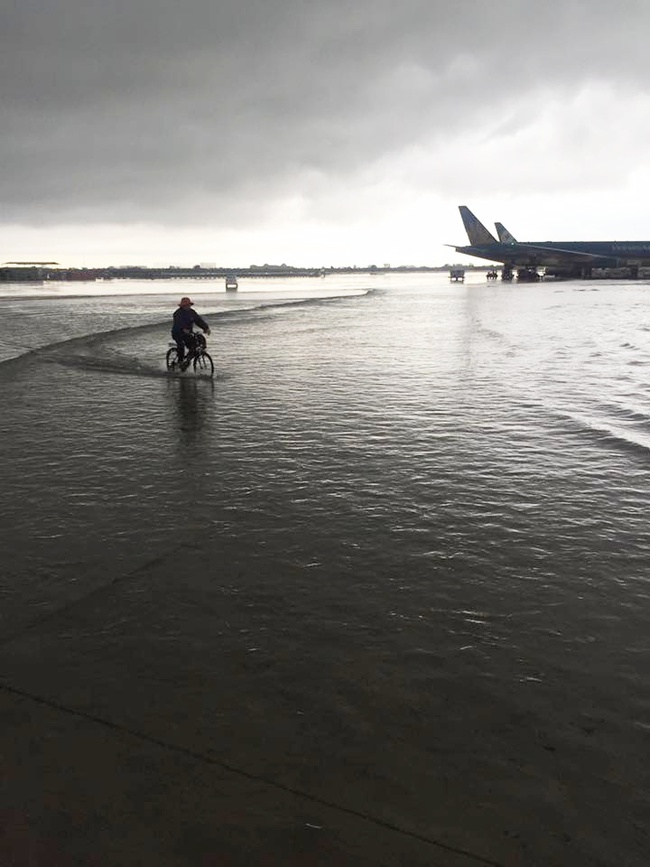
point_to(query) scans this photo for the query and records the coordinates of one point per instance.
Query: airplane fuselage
(599, 254)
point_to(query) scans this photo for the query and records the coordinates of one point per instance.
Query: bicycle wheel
(203, 364)
(172, 358)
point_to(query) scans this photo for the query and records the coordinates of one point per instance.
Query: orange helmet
(185, 302)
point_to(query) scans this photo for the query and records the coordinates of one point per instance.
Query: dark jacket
(185, 318)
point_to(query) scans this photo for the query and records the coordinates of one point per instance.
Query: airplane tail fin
(476, 231)
(504, 235)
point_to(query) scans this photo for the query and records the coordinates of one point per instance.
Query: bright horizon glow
(417, 241)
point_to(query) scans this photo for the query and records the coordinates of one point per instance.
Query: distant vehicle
(576, 258)
(231, 283)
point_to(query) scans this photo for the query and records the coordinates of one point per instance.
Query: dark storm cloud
(169, 111)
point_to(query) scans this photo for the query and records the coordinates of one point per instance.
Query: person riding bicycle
(184, 320)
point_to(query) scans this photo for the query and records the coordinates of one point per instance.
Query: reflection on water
(191, 399)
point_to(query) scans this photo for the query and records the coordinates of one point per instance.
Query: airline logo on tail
(476, 232)
(504, 235)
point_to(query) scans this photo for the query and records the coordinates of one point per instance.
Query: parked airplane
(572, 257)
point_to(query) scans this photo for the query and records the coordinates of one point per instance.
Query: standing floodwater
(394, 556)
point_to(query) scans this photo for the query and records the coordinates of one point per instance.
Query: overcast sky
(317, 132)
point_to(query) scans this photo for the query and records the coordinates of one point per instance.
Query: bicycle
(197, 355)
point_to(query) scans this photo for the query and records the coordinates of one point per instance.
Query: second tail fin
(504, 235)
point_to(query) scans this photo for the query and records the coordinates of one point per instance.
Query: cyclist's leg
(183, 340)
(177, 335)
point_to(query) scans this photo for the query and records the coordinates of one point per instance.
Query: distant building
(25, 272)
